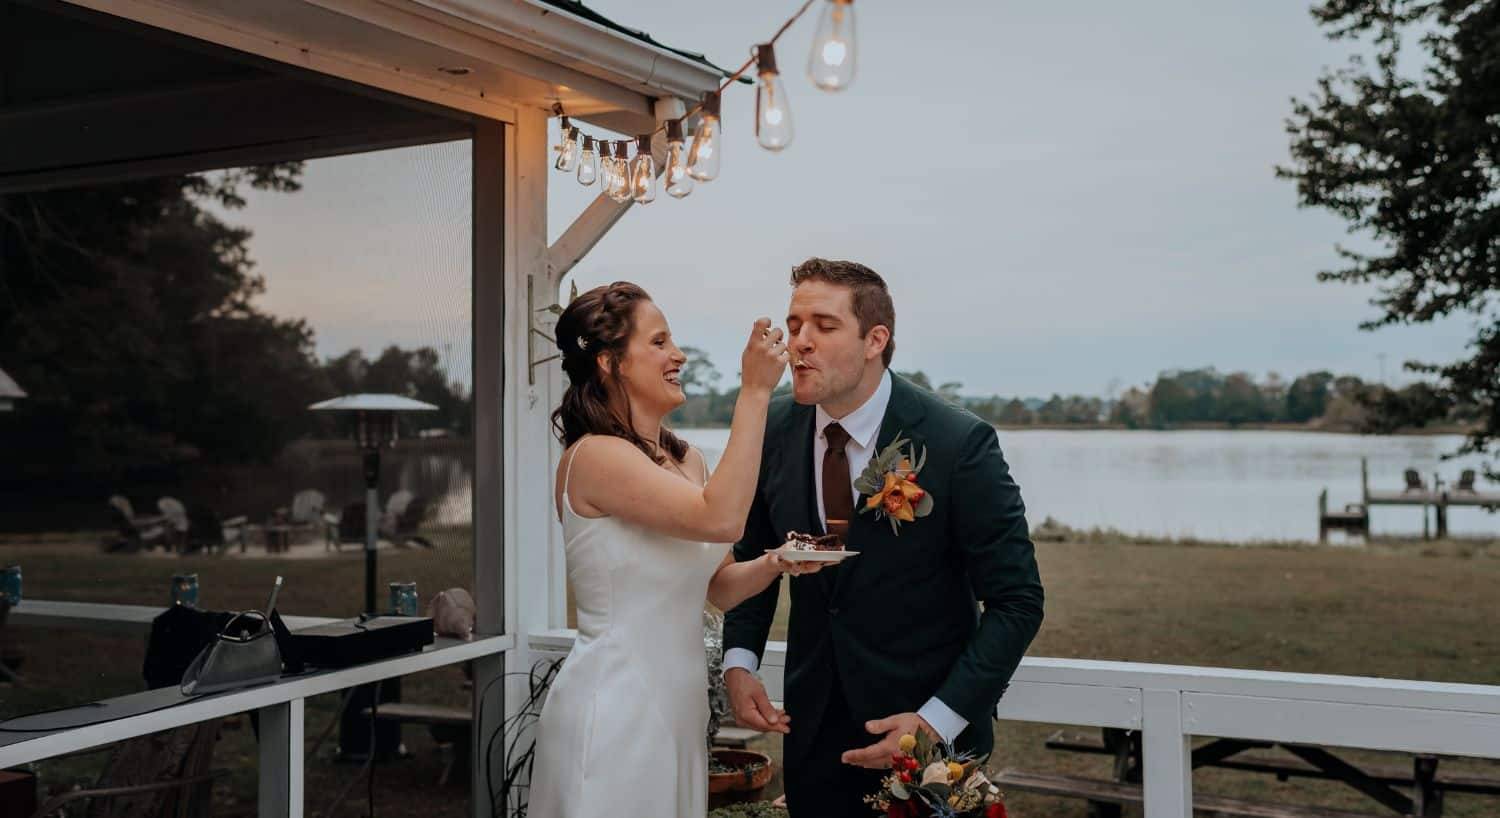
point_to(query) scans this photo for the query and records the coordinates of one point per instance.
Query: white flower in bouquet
(977, 781)
(936, 773)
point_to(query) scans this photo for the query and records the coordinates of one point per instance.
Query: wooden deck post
(280, 787)
(1167, 756)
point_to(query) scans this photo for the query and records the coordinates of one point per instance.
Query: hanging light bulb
(643, 172)
(606, 165)
(567, 154)
(588, 163)
(830, 64)
(703, 159)
(619, 188)
(773, 119)
(679, 183)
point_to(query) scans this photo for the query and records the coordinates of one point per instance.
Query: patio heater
(375, 428)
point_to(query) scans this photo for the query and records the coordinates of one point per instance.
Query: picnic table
(1423, 779)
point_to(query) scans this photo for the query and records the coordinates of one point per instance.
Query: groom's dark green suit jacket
(946, 608)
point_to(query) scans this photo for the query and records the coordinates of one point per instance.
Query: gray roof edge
(582, 44)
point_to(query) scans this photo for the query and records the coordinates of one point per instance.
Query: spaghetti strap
(705, 467)
(568, 472)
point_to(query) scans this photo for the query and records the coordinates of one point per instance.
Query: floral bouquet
(928, 781)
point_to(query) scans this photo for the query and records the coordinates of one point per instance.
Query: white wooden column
(530, 568)
(281, 762)
(528, 402)
(1166, 752)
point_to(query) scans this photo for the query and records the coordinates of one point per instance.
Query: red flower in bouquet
(996, 811)
(901, 809)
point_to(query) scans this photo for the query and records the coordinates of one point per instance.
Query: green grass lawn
(1404, 611)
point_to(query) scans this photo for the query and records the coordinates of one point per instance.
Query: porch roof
(97, 90)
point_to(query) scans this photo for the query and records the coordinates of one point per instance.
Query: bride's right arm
(620, 480)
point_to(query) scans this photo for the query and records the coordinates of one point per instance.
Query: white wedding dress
(623, 730)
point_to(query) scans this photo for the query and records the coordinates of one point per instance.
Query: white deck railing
(1170, 704)
(280, 704)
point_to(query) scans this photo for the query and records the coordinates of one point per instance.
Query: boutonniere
(890, 481)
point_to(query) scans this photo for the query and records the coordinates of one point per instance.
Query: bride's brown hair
(602, 320)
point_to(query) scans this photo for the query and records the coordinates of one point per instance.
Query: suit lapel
(903, 416)
(797, 468)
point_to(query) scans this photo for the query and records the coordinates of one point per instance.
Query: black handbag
(243, 654)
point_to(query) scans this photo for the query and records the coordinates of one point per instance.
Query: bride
(646, 532)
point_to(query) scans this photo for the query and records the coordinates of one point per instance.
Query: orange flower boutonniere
(890, 483)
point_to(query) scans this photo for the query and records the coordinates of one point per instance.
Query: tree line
(128, 313)
(1176, 398)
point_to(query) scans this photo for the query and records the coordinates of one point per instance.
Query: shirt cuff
(742, 658)
(941, 717)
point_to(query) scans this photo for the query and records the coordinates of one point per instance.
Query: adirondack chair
(404, 514)
(133, 532)
(1414, 481)
(198, 526)
(399, 522)
(1466, 482)
(176, 517)
(307, 511)
(162, 775)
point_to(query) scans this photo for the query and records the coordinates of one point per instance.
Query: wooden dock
(1355, 517)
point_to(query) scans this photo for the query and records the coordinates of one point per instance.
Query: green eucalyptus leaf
(923, 506)
(924, 746)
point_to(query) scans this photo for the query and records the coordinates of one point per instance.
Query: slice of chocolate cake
(809, 542)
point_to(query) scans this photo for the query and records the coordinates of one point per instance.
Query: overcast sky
(1062, 196)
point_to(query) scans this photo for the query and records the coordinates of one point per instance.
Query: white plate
(798, 555)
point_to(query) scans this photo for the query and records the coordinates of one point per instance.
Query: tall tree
(1412, 161)
(127, 311)
(1308, 396)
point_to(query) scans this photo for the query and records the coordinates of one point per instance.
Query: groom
(924, 627)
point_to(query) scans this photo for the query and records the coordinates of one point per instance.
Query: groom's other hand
(752, 707)
(878, 755)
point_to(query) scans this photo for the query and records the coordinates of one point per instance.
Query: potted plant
(733, 775)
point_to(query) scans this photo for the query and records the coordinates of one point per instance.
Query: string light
(773, 119)
(643, 172)
(679, 183)
(703, 159)
(830, 64)
(619, 189)
(830, 67)
(588, 163)
(606, 166)
(567, 152)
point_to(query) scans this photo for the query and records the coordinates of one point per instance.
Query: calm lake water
(1218, 485)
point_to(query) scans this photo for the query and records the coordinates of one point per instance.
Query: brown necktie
(838, 496)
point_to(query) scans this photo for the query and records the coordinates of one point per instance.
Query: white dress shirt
(863, 426)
